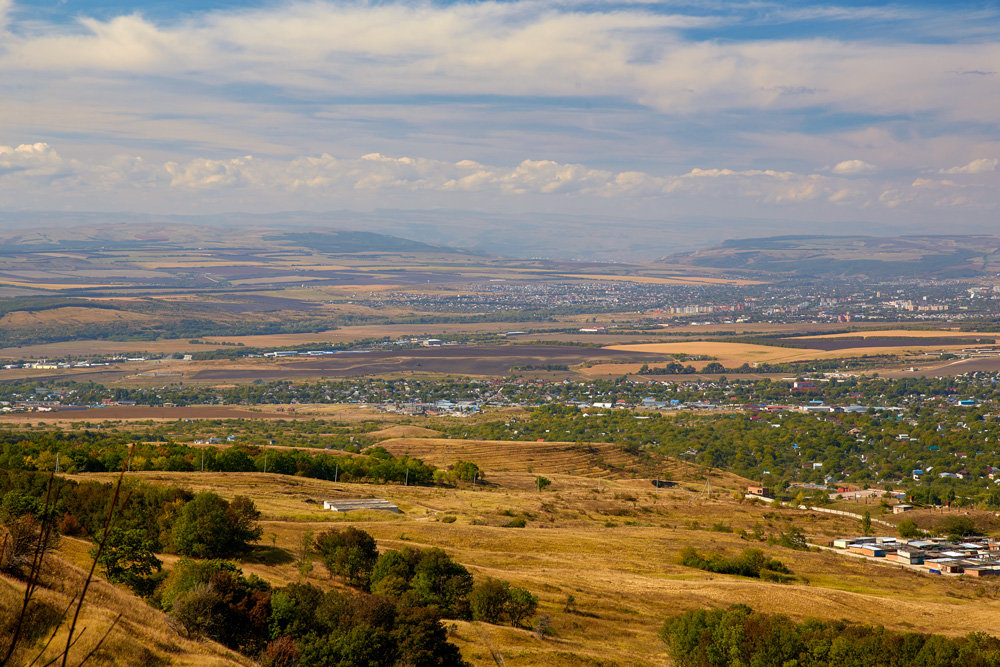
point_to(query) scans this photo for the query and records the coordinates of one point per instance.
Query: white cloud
(31, 160)
(853, 168)
(980, 166)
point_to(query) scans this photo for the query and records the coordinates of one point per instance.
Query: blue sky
(800, 111)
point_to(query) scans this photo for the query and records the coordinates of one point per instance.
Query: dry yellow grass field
(69, 316)
(736, 354)
(611, 543)
(142, 637)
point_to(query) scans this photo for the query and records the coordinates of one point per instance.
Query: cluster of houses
(976, 557)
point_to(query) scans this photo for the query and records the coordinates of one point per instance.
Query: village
(972, 556)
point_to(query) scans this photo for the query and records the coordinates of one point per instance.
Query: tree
(128, 558)
(488, 600)
(349, 553)
(521, 605)
(542, 482)
(210, 527)
(495, 601)
(908, 528)
(866, 523)
(466, 471)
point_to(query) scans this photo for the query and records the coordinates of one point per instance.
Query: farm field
(736, 354)
(474, 360)
(899, 333)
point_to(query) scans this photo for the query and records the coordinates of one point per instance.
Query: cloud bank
(651, 105)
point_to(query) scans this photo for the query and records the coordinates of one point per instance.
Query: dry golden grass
(588, 460)
(405, 431)
(143, 636)
(736, 354)
(614, 550)
(68, 316)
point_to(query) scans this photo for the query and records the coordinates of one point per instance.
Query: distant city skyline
(812, 115)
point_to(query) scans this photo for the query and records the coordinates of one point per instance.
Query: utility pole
(265, 463)
(336, 474)
(57, 462)
(203, 460)
(406, 482)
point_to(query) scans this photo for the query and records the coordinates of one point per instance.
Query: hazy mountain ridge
(867, 256)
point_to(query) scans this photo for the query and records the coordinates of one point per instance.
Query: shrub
(750, 563)
(908, 528)
(210, 527)
(495, 601)
(739, 635)
(349, 553)
(958, 526)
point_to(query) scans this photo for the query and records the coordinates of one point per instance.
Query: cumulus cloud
(328, 181)
(980, 166)
(36, 160)
(853, 168)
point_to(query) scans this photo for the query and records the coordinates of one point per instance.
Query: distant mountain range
(869, 256)
(146, 235)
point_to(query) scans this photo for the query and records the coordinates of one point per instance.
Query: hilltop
(855, 256)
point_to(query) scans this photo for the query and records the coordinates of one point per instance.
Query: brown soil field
(936, 368)
(129, 412)
(903, 333)
(858, 342)
(654, 280)
(87, 347)
(379, 331)
(339, 412)
(615, 550)
(457, 359)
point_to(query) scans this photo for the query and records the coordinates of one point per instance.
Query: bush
(518, 522)
(908, 528)
(210, 527)
(349, 553)
(488, 600)
(956, 526)
(741, 636)
(128, 558)
(424, 578)
(750, 563)
(495, 601)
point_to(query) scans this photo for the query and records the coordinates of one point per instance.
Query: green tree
(908, 528)
(542, 482)
(349, 553)
(128, 558)
(866, 523)
(488, 600)
(210, 527)
(521, 605)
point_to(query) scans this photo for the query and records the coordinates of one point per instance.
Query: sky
(816, 117)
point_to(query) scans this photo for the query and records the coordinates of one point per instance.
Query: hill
(864, 256)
